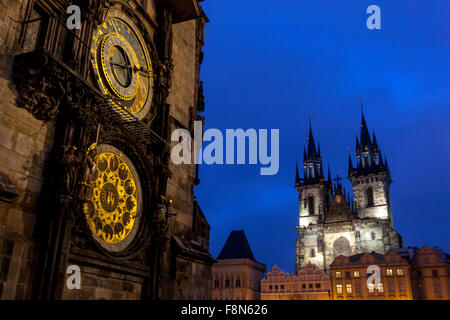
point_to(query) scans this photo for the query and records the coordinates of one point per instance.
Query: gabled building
(350, 278)
(310, 283)
(430, 272)
(237, 275)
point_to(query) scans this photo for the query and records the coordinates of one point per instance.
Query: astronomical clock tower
(86, 178)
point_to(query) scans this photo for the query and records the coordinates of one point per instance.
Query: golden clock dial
(122, 64)
(113, 210)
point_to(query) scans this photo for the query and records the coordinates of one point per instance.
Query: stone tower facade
(236, 274)
(85, 176)
(333, 224)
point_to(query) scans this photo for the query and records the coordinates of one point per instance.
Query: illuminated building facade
(430, 272)
(309, 284)
(349, 277)
(330, 222)
(236, 275)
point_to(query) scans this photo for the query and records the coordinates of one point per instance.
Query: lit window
(339, 288)
(399, 272)
(338, 274)
(389, 272)
(380, 288)
(371, 287)
(356, 273)
(349, 288)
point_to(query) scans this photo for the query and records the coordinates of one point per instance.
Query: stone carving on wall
(70, 164)
(88, 170)
(41, 86)
(161, 223)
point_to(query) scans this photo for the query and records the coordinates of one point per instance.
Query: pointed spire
(358, 146)
(297, 175)
(305, 157)
(329, 174)
(311, 145)
(375, 143)
(386, 163)
(365, 136)
(380, 159)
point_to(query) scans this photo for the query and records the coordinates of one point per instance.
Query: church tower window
(370, 202)
(312, 253)
(372, 235)
(311, 205)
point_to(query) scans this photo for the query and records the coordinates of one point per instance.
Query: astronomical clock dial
(113, 212)
(122, 64)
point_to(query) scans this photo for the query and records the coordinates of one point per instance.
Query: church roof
(236, 247)
(357, 257)
(340, 208)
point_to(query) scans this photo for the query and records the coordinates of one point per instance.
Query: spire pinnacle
(365, 136)
(311, 144)
(297, 175)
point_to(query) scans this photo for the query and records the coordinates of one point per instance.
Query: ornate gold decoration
(112, 210)
(122, 64)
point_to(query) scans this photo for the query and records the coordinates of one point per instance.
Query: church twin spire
(368, 154)
(312, 163)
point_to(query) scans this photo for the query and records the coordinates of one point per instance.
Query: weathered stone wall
(381, 194)
(184, 278)
(317, 191)
(24, 145)
(105, 285)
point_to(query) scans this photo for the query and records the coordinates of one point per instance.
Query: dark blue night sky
(269, 63)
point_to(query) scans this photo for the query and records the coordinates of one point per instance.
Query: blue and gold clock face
(122, 65)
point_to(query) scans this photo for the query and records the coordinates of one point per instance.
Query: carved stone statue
(70, 163)
(89, 168)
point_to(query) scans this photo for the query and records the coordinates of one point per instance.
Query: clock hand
(135, 69)
(124, 66)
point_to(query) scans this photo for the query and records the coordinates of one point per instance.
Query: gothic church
(333, 224)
